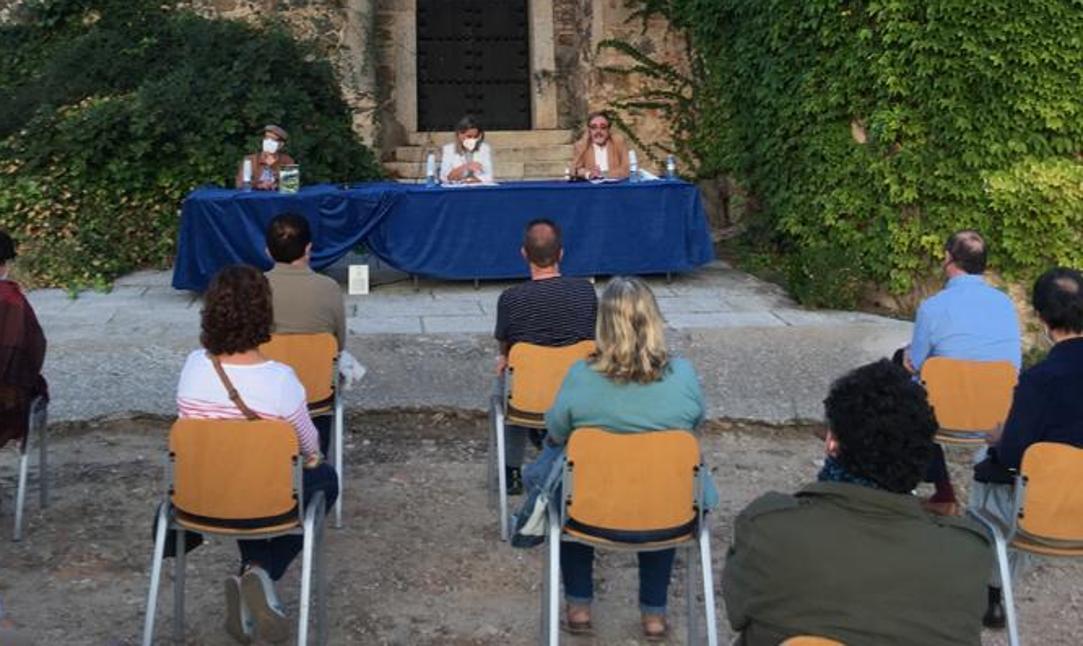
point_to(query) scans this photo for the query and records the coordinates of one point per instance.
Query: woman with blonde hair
(630, 385)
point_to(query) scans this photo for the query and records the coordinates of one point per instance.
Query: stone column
(543, 67)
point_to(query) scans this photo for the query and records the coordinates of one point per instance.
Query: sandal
(655, 628)
(577, 620)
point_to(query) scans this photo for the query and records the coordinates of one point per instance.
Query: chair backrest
(238, 472)
(969, 395)
(810, 640)
(312, 357)
(634, 487)
(1052, 506)
(536, 374)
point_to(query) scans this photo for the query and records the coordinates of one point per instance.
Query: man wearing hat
(267, 163)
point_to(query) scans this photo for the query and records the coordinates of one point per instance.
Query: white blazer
(450, 159)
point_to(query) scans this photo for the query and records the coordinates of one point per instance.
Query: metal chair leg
(502, 476)
(179, 563)
(553, 576)
(690, 592)
(321, 586)
(1006, 587)
(490, 458)
(339, 430)
(1000, 544)
(20, 491)
(708, 585)
(312, 514)
(155, 574)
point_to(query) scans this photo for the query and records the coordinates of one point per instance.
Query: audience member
(599, 153)
(1046, 407)
(267, 164)
(630, 385)
(854, 557)
(236, 319)
(468, 159)
(22, 351)
(969, 319)
(304, 302)
(549, 310)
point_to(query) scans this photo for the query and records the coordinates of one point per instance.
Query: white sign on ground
(359, 279)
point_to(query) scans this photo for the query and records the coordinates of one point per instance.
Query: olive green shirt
(855, 564)
(306, 302)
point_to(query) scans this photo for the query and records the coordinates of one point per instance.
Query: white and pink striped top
(271, 389)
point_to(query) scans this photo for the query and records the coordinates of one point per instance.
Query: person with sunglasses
(599, 154)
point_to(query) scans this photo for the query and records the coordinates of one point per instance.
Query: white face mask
(470, 143)
(270, 145)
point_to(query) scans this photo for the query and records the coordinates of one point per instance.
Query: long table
(458, 233)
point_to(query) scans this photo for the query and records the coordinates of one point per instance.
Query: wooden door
(473, 57)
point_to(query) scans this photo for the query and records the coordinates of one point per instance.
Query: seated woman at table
(599, 154)
(468, 159)
(630, 385)
(267, 164)
(230, 379)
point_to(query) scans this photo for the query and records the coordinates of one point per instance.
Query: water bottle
(671, 167)
(567, 173)
(430, 170)
(633, 167)
(246, 174)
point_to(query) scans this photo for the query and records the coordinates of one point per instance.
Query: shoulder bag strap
(234, 396)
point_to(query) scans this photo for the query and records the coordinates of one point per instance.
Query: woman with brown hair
(236, 319)
(630, 385)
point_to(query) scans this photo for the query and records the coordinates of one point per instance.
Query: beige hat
(277, 130)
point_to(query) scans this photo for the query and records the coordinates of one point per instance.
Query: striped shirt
(270, 389)
(552, 312)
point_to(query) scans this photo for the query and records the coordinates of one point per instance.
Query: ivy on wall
(112, 110)
(869, 130)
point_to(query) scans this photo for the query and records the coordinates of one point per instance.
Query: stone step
(501, 154)
(512, 170)
(495, 138)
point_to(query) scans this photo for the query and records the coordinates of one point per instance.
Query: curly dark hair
(237, 314)
(884, 425)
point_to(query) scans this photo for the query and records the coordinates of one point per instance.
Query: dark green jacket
(855, 564)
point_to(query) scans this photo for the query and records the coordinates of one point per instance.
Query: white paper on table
(462, 184)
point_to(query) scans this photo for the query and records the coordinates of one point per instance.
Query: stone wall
(580, 25)
(342, 30)
(369, 43)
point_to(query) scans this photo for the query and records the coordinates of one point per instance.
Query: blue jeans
(577, 570)
(275, 554)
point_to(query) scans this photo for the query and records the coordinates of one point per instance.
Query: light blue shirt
(968, 319)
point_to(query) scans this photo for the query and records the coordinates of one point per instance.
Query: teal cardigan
(588, 398)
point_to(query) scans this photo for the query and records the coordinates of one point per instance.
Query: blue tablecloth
(454, 232)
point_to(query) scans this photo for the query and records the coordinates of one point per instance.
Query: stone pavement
(759, 355)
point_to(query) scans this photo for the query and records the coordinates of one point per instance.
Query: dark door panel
(473, 57)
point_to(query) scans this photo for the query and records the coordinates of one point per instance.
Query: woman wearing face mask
(468, 160)
(267, 163)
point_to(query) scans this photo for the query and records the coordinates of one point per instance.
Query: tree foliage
(112, 110)
(869, 130)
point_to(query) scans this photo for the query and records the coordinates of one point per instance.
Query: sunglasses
(599, 126)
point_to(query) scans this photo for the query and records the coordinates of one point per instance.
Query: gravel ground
(418, 561)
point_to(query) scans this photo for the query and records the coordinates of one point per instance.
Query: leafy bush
(112, 110)
(869, 130)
